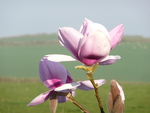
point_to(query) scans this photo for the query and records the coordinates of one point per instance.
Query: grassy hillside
(49, 39)
(29, 40)
(22, 60)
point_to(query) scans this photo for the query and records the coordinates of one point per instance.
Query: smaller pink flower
(56, 77)
(92, 43)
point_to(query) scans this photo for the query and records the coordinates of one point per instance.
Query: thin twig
(89, 74)
(97, 95)
(76, 103)
(90, 77)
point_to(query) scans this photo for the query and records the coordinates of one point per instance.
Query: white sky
(19, 17)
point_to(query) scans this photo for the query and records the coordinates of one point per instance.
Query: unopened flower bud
(115, 98)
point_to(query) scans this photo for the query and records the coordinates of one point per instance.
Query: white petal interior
(60, 58)
(121, 92)
(67, 86)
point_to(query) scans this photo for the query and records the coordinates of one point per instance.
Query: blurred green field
(22, 61)
(19, 78)
(17, 94)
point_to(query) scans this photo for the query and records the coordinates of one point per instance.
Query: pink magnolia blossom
(92, 43)
(55, 77)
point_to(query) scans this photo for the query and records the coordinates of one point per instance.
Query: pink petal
(87, 85)
(62, 99)
(69, 79)
(88, 26)
(116, 35)
(41, 98)
(59, 58)
(83, 28)
(52, 74)
(109, 60)
(95, 47)
(70, 38)
(96, 26)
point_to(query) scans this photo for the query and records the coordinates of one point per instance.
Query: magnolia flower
(92, 43)
(116, 98)
(55, 77)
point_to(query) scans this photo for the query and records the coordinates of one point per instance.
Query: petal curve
(49, 74)
(87, 85)
(59, 58)
(83, 28)
(109, 60)
(67, 87)
(70, 38)
(95, 47)
(41, 98)
(116, 35)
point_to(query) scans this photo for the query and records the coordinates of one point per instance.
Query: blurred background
(28, 31)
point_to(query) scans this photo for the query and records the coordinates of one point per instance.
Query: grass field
(17, 94)
(22, 61)
(19, 79)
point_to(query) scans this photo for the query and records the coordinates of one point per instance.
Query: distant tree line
(29, 43)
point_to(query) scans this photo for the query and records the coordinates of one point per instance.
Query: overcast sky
(20, 17)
